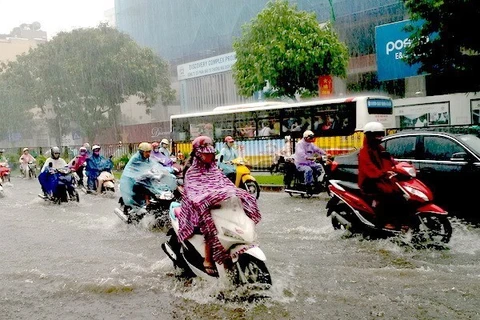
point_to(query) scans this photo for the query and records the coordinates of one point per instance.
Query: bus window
(223, 125)
(180, 130)
(296, 121)
(334, 120)
(201, 126)
(379, 106)
(268, 123)
(245, 124)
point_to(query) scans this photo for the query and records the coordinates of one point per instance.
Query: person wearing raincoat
(227, 154)
(96, 163)
(159, 156)
(204, 186)
(141, 178)
(47, 179)
(77, 164)
(374, 172)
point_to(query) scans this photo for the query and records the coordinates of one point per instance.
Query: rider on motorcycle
(46, 176)
(227, 154)
(374, 175)
(95, 165)
(159, 156)
(205, 186)
(78, 163)
(305, 152)
(24, 160)
(164, 144)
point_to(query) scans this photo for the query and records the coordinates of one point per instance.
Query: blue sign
(391, 41)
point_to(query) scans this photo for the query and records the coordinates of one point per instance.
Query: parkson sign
(391, 41)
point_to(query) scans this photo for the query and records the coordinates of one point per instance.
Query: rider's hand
(390, 174)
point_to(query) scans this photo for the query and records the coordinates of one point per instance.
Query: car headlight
(417, 193)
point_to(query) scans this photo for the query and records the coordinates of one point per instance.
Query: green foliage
(40, 161)
(86, 74)
(287, 49)
(269, 179)
(120, 162)
(453, 46)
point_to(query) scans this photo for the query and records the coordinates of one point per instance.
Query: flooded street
(79, 261)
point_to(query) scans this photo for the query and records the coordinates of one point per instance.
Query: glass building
(183, 31)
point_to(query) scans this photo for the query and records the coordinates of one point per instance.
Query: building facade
(190, 31)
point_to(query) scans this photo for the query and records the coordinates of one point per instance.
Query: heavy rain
(239, 160)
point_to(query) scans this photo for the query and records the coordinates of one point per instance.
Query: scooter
(4, 172)
(32, 170)
(294, 180)
(161, 189)
(64, 186)
(352, 210)
(243, 177)
(108, 185)
(237, 235)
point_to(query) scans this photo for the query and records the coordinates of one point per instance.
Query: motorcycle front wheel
(251, 271)
(433, 228)
(253, 188)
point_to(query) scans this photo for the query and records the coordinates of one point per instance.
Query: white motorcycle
(236, 232)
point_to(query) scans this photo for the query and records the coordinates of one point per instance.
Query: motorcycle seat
(349, 185)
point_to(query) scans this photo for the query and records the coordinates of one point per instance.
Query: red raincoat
(373, 164)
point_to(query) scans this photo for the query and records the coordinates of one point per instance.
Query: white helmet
(95, 147)
(165, 141)
(374, 126)
(25, 149)
(308, 133)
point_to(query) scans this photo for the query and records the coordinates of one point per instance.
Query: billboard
(391, 41)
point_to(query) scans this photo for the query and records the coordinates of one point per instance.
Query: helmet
(145, 146)
(95, 147)
(229, 139)
(2, 150)
(374, 127)
(25, 149)
(82, 150)
(204, 150)
(165, 141)
(155, 145)
(55, 152)
(308, 133)
(86, 145)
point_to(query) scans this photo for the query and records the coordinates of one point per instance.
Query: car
(448, 163)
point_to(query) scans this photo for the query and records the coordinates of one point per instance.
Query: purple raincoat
(205, 187)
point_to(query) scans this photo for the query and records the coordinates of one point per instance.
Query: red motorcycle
(4, 172)
(352, 210)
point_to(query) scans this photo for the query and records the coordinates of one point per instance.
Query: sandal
(210, 269)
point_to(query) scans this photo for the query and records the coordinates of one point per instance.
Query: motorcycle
(32, 170)
(352, 210)
(161, 187)
(294, 180)
(108, 185)
(63, 186)
(4, 172)
(237, 235)
(243, 177)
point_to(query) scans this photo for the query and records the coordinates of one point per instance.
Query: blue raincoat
(151, 175)
(95, 166)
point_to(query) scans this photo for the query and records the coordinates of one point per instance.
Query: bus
(261, 129)
(449, 110)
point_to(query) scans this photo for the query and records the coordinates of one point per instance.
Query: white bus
(260, 128)
(457, 109)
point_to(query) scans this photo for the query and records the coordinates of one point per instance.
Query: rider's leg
(307, 174)
(99, 185)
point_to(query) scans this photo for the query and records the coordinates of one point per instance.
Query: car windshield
(471, 141)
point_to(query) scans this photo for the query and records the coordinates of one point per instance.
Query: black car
(449, 164)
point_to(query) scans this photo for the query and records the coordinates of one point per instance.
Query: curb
(279, 188)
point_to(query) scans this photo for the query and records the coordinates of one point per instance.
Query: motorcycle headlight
(417, 193)
(165, 195)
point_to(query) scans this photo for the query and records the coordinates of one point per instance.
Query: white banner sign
(207, 66)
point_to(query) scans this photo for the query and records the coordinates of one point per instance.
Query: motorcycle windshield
(150, 174)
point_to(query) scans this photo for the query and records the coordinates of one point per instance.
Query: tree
(453, 47)
(288, 49)
(85, 74)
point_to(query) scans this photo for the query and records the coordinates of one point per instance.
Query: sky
(53, 15)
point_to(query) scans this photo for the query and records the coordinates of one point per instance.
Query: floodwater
(79, 261)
